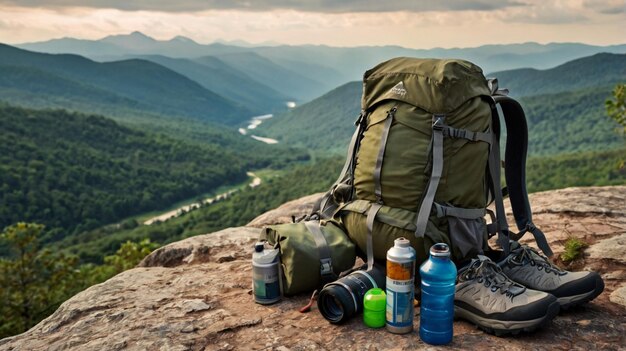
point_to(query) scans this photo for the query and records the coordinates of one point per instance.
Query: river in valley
(256, 181)
(255, 122)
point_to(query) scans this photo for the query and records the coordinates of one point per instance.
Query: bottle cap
(375, 299)
(440, 250)
(401, 242)
(258, 247)
(374, 307)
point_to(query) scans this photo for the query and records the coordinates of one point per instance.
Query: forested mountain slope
(597, 70)
(324, 124)
(138, 84)
(73, 172)
(219, 77)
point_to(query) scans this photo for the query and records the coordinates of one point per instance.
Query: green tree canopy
(34, 281)
(616, 106)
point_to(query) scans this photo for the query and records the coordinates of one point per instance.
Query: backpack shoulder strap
(328, 205)
(515, 167)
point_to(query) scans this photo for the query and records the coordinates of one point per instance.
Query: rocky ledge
(196, 295)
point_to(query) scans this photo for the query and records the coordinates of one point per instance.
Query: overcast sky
(409, 23)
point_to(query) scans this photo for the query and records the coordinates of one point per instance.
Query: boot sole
(501, 328)
(572, 301)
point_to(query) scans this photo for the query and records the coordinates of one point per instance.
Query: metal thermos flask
(400, 287)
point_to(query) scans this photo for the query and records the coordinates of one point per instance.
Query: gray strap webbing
(350, 155)
(371, 216)
(540, 237)
(502, 227)
(435, 176)
(326, 264)
(465, 213)
(393, 216)
(495, 89)
(378, 191)
(467, 134)
(326, 213)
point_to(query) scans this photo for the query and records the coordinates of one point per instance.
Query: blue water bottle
(438, 275)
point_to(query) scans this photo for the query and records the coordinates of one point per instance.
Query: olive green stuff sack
(301, 258)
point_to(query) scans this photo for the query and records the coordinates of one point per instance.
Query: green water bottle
(374, 307)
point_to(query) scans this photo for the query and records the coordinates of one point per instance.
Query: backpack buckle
(360, 118)
(439, 122)
(326, 267)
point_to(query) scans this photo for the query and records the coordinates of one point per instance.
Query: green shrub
(573, 250)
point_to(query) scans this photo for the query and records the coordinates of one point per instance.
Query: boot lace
(490, 274)
(534, 258)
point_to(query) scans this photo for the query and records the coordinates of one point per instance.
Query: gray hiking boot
(528, 267)
(498, 305)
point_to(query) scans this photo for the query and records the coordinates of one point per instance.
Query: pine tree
(616, 107)
(33, 281)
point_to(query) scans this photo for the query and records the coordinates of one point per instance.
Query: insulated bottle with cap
(438, 275)
(266, 280)
(400, 286)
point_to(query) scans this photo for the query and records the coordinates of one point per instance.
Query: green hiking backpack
(424, 161)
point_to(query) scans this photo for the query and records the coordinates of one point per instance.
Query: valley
(279, 137)
(131, 143)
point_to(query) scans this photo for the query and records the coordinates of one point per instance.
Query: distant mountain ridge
(140, 84)
(328, 66)
(269, 73)
(232, 84)
(599, 69)
(564, 106)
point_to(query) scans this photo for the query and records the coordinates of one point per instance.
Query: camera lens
(335, 303)
(343, 298)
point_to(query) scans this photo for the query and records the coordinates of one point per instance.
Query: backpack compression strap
(515, 170)
(327, 273)
(371, 216)
(435, 175)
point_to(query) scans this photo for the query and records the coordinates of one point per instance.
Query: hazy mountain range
(307, 71)
(597, 70)
(75, 82)
(235, 83)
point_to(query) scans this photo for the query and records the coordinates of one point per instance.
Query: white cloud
(540, 21)
(544, 12)
(319, 6)
(607, 6)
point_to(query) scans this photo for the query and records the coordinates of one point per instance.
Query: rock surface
(196, 295)
(285, 213)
